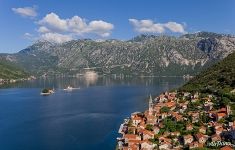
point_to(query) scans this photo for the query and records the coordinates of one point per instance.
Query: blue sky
(23, 22)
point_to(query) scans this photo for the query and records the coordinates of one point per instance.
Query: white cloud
(26, 11)
(148, 26)
(43, 29)
(175, 27)
(28, 36)
(76, 25)
(100, 27)
(52, 21)
(56, 37)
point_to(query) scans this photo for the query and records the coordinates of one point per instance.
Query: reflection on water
(94, 80)
(91, 77)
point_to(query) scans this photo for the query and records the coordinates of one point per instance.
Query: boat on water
(47, 91)
(70, 88)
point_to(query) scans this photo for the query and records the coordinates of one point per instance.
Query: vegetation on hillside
(10, 71)
(220, 77)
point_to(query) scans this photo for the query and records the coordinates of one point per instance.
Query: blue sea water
(84, 119)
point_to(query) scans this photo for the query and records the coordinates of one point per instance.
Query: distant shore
(8, 81)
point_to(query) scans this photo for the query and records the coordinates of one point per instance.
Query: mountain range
(143, 55)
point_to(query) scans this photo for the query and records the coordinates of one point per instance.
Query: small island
(47, 91)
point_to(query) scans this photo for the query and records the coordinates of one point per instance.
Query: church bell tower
(150, 105)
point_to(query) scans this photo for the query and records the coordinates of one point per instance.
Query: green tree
(169, 125)
(225, 101)
(204, 118)
(164, 109)
(149, 127)
(45, 91)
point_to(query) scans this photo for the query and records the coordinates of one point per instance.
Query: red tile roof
(226, 148)
(144, 131)
(188, 136)
(221, 114)
(137, 118)
(199, 135)
(130, 136)
(222, 110)
(170, 104)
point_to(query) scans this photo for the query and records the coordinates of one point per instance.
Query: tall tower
(228, 110)
(150, 105)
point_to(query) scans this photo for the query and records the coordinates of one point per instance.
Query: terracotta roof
(164, 139)
(202, 127)
(142, 123)
(221, 114)
(199, 135)
(222, 110)
(218, 125)
(146, 141)
(170, 104)
(137, 118)
(170, 97)
(178, 117)
(144, 131)
(216, 137)
(200, 145)
(155, 127)
(133, 147)
(130, 136)
(189, 126)
(160, 105)
(166, 142)
(195, 143)
(220, 129)
(195, 114)
(134, 141)
(226, 148)
(188, 136)
(150, 117)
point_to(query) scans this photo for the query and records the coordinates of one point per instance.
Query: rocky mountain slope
(142, 55)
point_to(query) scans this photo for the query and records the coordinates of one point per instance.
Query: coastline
(9, 81)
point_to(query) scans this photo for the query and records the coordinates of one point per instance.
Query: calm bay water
(85, 119)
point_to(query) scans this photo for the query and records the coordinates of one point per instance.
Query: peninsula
(199, 115)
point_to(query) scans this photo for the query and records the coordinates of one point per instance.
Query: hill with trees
(219, 77)
(10, 71)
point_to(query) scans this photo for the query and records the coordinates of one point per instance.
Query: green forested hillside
(10, 71)
(219, 77)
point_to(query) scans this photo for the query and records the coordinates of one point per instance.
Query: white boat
(70, 88)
